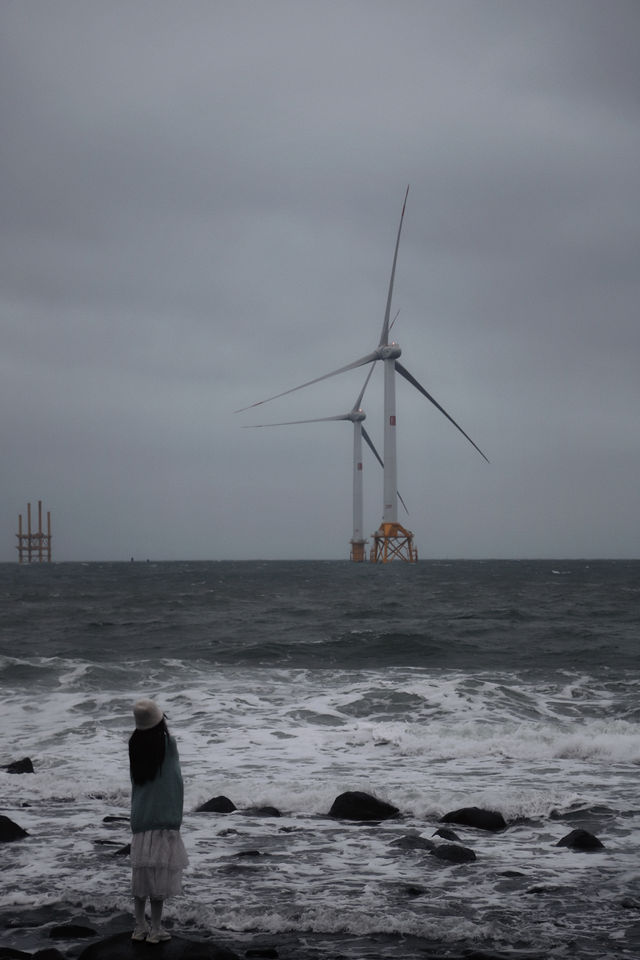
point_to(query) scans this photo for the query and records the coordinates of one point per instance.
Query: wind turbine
(392, 541)
(356, 415)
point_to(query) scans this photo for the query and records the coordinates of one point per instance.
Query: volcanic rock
(356, 805)
(453, 853)
(262, 812)
(20, 766)
(217, 805)
(71, 931)
(413, 841)
(580, 840)
(447, 834)
(476, 817)
(10, 830)
(122, 947)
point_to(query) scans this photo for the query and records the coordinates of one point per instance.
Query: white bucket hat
(147, 713)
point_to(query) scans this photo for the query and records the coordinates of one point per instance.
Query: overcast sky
(199, 205)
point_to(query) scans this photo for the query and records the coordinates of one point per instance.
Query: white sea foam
(294, 739)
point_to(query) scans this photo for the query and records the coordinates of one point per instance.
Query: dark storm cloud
(199, 204)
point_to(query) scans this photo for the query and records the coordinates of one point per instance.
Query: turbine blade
(370, 443)
(288, 423)
(370, 357)
(384, 337)
(356, 405)
(412, 380)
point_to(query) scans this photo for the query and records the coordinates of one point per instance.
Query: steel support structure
(358, 550)
(392, 541)
(34, 546)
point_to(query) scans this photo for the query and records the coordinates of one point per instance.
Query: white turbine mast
(356, 415)
(391, 541)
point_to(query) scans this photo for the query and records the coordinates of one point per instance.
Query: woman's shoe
(139, 934)
(158, 936)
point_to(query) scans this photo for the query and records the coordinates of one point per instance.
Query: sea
(511, 686)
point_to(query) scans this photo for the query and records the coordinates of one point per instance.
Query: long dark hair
(146, 752)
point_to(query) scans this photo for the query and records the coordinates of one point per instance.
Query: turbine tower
(356, 415)
(391, 541)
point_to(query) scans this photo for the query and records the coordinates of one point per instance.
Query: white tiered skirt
(158, 858)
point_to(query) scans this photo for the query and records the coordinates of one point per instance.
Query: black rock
(270, 953)
(476, 817)
(413, 841)
(49, 953)
(630, 903)
(8, 953)
(262, 812)
(20, 766)
(356, 805)
(580, 840)
(411, 890)
(453, 853)
(122, 947)
(447, 834)
(10, 830)
(71, 931)
(217, 805)
(37, 917)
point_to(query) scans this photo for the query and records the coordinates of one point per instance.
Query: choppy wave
(464, 615)
(469, 686)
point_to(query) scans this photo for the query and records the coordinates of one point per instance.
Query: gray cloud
(199, 205)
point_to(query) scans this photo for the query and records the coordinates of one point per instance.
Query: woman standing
(158, 855)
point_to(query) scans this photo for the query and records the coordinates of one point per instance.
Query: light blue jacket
(157, 804)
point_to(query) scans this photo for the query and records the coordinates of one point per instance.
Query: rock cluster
(355, 806)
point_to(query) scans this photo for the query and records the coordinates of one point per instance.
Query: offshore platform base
(391, 541)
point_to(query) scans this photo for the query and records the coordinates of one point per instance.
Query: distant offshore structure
(34, 546)
(391, 541)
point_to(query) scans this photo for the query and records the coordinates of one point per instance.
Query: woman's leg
(157, 933)
(140, 931)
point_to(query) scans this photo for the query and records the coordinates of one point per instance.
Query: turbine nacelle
(357, 416)
(390, 351)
